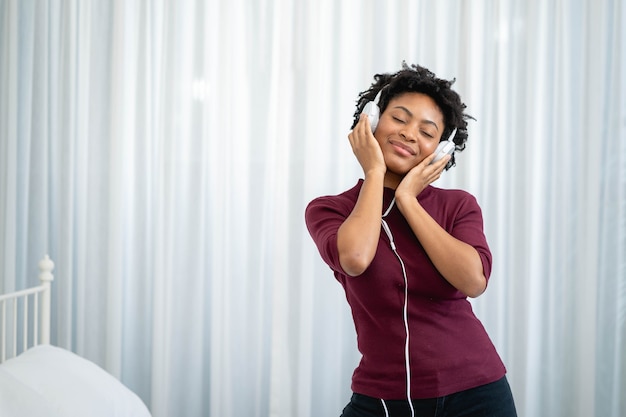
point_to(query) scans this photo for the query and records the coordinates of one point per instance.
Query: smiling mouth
(403, 148)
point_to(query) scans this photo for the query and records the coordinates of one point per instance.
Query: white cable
(405, 311)
(385, 407)
(393, 201)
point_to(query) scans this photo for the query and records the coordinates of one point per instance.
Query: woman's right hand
(365, 147)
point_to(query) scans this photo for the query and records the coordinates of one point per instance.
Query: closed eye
(427, 134)
(397, 119)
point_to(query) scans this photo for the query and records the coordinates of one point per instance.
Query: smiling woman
(433, 250)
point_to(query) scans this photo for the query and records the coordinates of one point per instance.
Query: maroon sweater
(450, 350)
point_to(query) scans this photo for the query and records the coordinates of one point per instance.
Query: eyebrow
(423, 120)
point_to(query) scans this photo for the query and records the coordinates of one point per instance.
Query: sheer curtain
(162, 152)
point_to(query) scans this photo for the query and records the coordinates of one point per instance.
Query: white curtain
(162, 152)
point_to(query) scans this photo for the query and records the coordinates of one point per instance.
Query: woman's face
(409, 130)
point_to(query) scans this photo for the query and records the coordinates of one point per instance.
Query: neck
(392, 180)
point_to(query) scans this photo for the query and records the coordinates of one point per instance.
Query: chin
(400, 172)
(401, 168)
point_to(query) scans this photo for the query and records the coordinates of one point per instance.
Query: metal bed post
(45, 276)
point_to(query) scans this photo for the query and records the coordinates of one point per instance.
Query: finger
(440, 166)
(440, 163)
(429, 159)
(364, 118)
(363, 125)
(444, 161)
(363, 132)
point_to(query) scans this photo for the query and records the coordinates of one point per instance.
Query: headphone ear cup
(372, 111)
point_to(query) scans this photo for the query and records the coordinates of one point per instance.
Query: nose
(408, 135)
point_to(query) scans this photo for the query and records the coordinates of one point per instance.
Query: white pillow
(50, 381)
(19, 400)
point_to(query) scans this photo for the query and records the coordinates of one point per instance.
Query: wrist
(404, 200)
(374, 173)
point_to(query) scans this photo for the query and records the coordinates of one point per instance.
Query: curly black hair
(418, 79)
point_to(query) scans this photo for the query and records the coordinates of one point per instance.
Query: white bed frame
(13, 303)
(34, 377)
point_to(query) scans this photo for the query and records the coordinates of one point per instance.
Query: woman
(408, 255)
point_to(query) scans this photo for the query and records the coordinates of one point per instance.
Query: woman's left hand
(464, 270)
(420, 176)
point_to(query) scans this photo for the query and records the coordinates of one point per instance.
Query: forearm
(457, 261)
(357, 237)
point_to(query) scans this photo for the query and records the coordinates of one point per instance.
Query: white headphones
(445, 147)
(372, 111)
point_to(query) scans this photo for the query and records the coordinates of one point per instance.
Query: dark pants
(491, 400)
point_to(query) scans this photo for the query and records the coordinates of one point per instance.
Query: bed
(38, 379)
